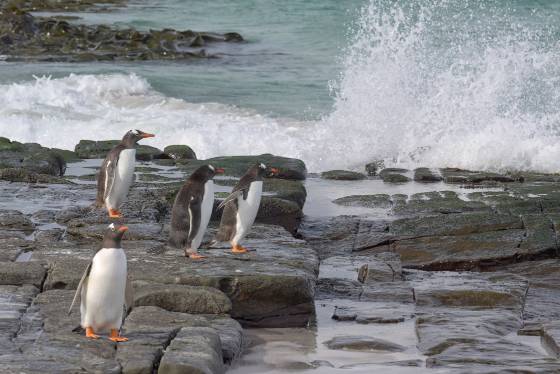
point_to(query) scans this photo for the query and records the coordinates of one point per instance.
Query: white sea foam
(430, 83)
(60, 112)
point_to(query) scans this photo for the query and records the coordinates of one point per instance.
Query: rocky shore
(55, 38)
(447, 269)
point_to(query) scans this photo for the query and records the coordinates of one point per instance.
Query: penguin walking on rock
(192, 210)
(241, 207)
(117, 173)
(104, 288)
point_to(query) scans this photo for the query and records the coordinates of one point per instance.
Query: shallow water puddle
(303, 350)
(322, 192)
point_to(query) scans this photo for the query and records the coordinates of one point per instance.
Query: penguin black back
(193, 189)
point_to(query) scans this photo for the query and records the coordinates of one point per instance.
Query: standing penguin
(241, 207)
(117, 172)
(192, 210)
(104, 288)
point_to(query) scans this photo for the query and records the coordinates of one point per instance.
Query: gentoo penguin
(241, 207)
(104, 288)
(117, 172)
(192, 210)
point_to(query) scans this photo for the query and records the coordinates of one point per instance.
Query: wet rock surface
(475, 271)
(448, 279)
(187, 314)
(342, 175)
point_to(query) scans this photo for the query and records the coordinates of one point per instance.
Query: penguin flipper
(80, 285)
(231, 197)
(110, 174)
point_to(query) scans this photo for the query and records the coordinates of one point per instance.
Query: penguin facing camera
(104, 288)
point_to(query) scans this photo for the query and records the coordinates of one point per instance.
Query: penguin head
(113, 235)
(134, 136)
(206, 172)
(261, 170)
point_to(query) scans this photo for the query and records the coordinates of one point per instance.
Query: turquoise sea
(471, 84)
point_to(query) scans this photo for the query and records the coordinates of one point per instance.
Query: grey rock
(181, 298)
(99, 149)
(363, 343)
(289, 168)
(194, 350)
(345, 175)
(180, 152)
(13, 219)
(394, 175)
(426, 175)
(21, 273)
(384, 267)
(551, 338)
(381, 201)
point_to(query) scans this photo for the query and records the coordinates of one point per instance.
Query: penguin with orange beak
(241, 207)
(104, 288)
(117, 172)
(192, 210)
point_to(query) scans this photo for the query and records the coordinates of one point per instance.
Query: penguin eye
(112, 226)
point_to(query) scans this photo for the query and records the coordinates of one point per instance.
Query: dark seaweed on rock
(28, 38)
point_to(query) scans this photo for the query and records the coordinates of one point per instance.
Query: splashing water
(467, 84)
(436, 83)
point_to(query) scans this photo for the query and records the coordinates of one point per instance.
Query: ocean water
(470, 84)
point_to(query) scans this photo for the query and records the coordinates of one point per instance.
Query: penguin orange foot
(90, 334)
(194, 255)
(116, 337)
(238, 249)
(114, 213)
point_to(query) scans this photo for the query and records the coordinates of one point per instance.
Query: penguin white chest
(247, 210)
(102, 307)
(205, 213)
(123, 178)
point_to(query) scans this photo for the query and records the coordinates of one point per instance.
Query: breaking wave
(431, 83)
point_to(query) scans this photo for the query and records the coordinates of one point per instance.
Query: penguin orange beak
(123, 228)
(146, 135)
(274, 171)
(220, 170)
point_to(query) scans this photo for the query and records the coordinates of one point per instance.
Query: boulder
(394, 175)
(180, 152)
(236, 166)
(32, 157)
(363, 343)
(99, 149)
(22, 273)
(346, 175)
(193, 350)
(380, 201)
(181, 298)
(426, 175)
